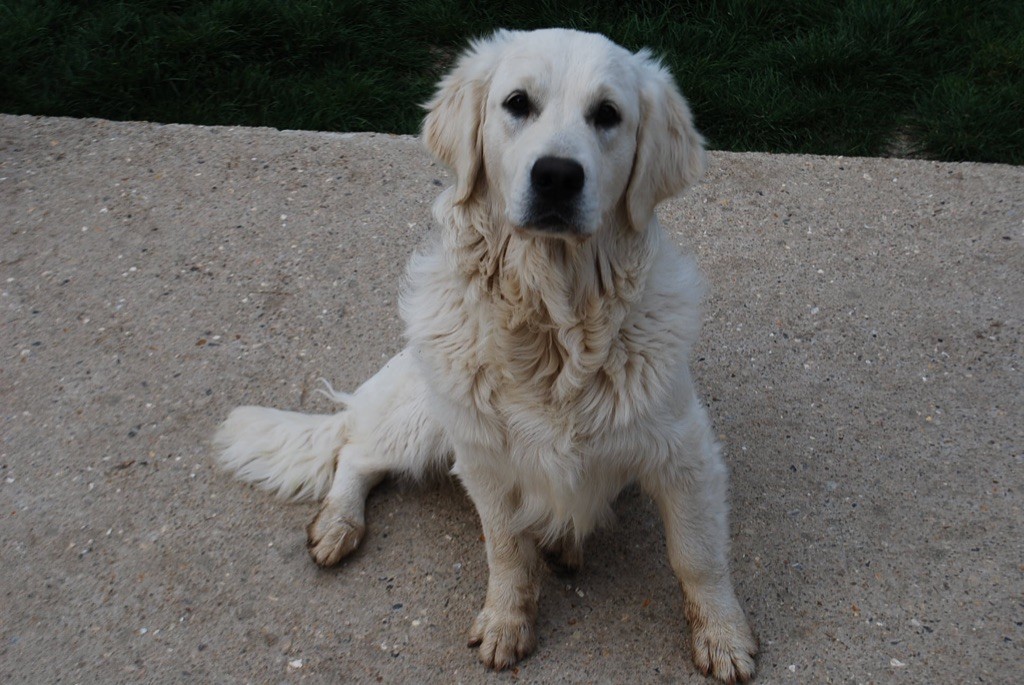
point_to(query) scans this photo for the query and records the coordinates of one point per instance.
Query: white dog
(549, 333)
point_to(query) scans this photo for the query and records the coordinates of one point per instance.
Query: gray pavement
(862, 359)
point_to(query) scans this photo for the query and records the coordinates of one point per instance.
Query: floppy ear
(453, 127)
(669, 151)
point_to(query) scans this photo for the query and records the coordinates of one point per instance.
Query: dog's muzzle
(556, 183)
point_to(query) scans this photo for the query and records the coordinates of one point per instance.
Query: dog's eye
(606, 116)
(517, 104)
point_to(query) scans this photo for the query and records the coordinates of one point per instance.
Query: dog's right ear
(453, 127)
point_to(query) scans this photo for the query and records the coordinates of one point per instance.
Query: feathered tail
(288, 453)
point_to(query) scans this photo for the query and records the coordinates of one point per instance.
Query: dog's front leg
(691, 494)
(504, 629)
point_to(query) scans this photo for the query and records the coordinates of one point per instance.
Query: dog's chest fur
(544, 357)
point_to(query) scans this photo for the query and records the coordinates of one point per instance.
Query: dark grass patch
(941, 79)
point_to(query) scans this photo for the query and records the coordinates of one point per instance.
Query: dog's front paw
(723, 647)
(332, 535)
(503, 638)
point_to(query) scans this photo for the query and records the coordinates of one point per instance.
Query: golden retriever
(549, 331)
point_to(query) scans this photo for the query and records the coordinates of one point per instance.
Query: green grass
(942, 79)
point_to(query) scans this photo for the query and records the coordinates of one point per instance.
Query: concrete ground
(862, 359)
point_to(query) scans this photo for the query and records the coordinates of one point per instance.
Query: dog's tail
(290, 454)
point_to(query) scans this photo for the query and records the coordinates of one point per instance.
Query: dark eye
(606, 116)
(518, 105)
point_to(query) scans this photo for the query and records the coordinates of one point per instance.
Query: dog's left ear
(453, 127)
(669, 151)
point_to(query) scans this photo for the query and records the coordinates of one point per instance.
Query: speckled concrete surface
(862, 360)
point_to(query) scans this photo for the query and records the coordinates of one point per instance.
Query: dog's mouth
(553, 223)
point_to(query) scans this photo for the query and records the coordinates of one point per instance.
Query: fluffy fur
(547, 362)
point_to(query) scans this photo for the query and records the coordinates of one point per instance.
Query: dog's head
(560, 130)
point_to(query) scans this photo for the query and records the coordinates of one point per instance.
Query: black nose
(557, 179)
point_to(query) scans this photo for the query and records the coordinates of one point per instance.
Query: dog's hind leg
(385, 429)
(339, 525)
(390, 431)
(564, 555)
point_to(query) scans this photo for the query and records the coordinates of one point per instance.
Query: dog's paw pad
(503, 640)
(330, 537)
